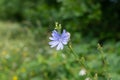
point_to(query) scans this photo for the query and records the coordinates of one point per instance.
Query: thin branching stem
(104, 61)
(79, 60)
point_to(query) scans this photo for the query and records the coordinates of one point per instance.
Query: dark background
(92, 18)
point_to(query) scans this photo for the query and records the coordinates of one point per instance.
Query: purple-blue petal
(55, 34)
(65, 35)
(53, 38)
(64, 42)
(60, 46)
(53, 43)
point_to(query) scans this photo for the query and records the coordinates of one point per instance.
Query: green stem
(80, 61)
(104, 61)
(70, 47)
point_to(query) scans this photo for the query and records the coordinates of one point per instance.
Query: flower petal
(55, 34)
(60, 46)
(64, 42)
(52, 38)
(65, 35)
(53, 43)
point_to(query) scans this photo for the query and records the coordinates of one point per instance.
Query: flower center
(60, 40)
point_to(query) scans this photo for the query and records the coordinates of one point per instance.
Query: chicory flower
(59, 40)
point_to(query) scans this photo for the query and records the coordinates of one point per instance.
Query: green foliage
(90, 17)
(25, 55)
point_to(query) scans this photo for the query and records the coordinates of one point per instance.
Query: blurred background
(25, 26)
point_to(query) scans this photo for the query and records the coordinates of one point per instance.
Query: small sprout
(96, 76)
(58, 26)
(82, 59)
(99, 47)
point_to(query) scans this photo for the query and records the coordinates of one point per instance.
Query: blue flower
(59, 40)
